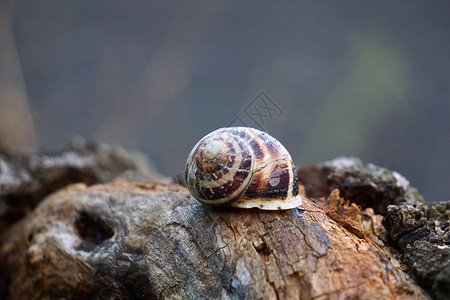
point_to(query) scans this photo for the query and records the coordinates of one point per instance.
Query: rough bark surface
(26, 180)
(421, 232)
(395, 216)
(154, 241)
(132, 240)
(366, 185)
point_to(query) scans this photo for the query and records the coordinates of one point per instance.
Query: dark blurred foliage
(370, 79)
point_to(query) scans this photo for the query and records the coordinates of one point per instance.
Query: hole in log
(92, 231)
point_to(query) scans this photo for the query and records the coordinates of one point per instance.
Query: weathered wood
(415, 232)
(129, 240)
(124, 239)
(26, 180)
(421, 233)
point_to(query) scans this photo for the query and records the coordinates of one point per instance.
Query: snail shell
(243, 167)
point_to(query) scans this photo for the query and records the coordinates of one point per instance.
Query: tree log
(132, 240)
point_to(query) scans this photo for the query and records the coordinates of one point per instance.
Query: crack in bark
(214, 252)
(316, 254)
(227, 222)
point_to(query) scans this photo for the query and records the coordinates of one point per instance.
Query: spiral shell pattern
(242, 167)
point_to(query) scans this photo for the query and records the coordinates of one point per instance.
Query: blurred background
(369, 79)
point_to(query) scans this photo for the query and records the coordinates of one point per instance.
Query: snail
(242, 167)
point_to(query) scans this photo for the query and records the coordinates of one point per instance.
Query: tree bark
(128, 240)
(125, 239)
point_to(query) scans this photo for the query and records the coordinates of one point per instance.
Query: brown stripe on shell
(253, 191)
(295, 181)
(275, 187)
(256, 149)
(236, 143)
(222, 170)
(254, 144)
(206, 166)
(231, 186)
(278, 184)
(272, 144)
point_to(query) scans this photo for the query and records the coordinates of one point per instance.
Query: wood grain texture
(154, 241)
